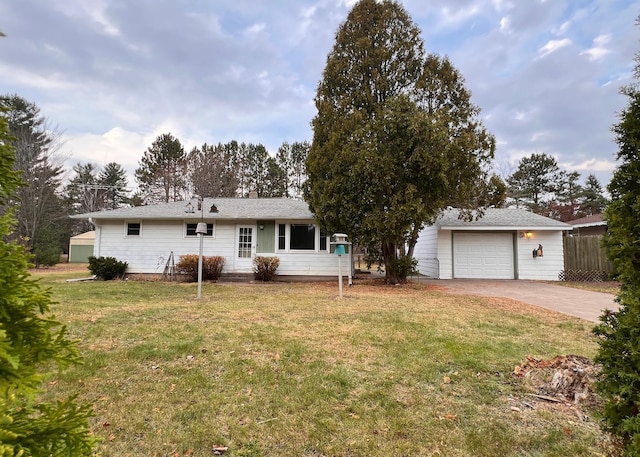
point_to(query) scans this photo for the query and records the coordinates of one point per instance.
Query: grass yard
(608, 287)
(291, 370)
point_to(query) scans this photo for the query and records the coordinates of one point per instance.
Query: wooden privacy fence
(585, 259)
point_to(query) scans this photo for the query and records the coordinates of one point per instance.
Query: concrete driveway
(574, 302)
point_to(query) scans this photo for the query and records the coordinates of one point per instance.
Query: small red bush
(211, 266)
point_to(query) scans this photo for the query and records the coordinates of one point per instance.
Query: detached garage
(499, 245)
(81, 247)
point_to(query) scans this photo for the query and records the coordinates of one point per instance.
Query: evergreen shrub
(107, 268)
(619, 331)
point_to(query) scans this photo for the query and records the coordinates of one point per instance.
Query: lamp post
(201, 230)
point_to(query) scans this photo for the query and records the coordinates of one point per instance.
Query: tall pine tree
(396, 138)
(162, 174)
(619, 331)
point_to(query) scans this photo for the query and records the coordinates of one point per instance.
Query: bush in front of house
(107, 268)
(211, 267)
(405, 266)
(264, 268)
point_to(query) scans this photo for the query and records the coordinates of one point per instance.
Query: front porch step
(236, 277)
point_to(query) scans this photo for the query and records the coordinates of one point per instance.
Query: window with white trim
(133, 229)
(190, 229)
(301, 237)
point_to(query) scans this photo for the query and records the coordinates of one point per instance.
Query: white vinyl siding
(544, 268)
(426, 252)
(149, 254)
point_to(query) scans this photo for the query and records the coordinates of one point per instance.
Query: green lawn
(291, 370)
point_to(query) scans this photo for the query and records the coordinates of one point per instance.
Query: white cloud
(19, 77)
(256, 29)
(592, 164)
(502, 5)
(564, 28)
(553, 46)
(111, 72)
(117, 145)
(94, 11)
(599, 48)
(505, 25)
(537, 136)
(456, 16)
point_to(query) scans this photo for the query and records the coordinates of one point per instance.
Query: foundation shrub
(264, 268)
(107, 268)
(212, 267)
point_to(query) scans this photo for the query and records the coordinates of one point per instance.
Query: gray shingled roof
(506, 218)
(228, 208)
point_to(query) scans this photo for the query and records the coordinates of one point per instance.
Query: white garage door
(483, 255)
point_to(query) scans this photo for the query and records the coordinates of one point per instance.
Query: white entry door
(245, 247)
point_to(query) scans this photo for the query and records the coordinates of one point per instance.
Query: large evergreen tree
(533, 181)
(113, 183)
(29, 341)
(91, 189)
(592, 198)
(619, 331)
(396, 137)
(41, 214)
(162, 174)
(253, 169)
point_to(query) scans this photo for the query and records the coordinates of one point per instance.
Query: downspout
(98, 238)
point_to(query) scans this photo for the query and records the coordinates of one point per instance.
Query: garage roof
(500, 219)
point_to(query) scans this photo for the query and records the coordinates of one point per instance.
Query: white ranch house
(238, 229)
(499, 245)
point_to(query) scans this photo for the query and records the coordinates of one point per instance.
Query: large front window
(302, 237)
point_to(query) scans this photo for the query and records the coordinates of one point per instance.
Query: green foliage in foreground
(28, 340)
(288, 369)
(620, 331)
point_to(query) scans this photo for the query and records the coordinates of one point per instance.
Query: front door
(245, 246)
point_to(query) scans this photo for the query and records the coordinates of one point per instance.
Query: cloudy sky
(114, 74)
